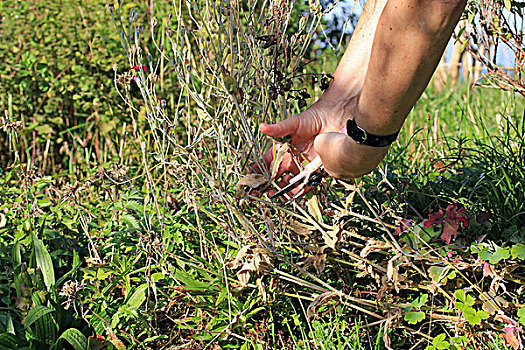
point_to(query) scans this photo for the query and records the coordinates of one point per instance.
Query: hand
(316, 132)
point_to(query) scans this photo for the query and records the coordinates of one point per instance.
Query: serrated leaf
(135, 206)
(75, 338)
(130, 221)
(138, 297)
(35, 313)
(518, 251)
(414, 317)
(44, 262)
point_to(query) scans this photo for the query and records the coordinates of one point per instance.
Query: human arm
(408, 42)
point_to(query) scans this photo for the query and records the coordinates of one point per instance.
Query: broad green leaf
(460, 295)
(35, 313)
(75, 338)
(9, 324)
(414, 317)
(440, 343)
(518, 251)
(474, 317)
(496, 257)
(420, 301)
(138, 297)
(17, 254)
(44, 262)
(157, 276)
(45, 329)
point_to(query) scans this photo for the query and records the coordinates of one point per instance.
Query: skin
(389, 61)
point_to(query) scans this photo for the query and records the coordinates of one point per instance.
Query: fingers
(287, 164)
(286, 127)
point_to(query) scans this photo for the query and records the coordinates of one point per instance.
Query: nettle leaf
(518, 251)
(414, 317)
(496, 257)
(130, 221)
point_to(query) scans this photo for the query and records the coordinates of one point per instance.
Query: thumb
(286, 127)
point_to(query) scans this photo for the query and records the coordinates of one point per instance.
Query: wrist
(364, 137)
(346, 159)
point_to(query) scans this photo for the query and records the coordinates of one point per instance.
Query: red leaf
(449, 230)
(511, 337)
(434, 219)
(452, 212)
(404, 225)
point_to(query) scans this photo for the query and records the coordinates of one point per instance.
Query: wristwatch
(363, 137)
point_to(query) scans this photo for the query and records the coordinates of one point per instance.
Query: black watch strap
(365, 138)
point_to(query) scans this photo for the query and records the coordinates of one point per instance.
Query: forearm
(409, 41)
(351, 70)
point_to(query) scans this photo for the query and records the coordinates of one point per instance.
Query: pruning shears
(311, 175)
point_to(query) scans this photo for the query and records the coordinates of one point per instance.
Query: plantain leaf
(45, 329)
(138, 297)
(44, 262)
(35, 313)
(75, 338)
